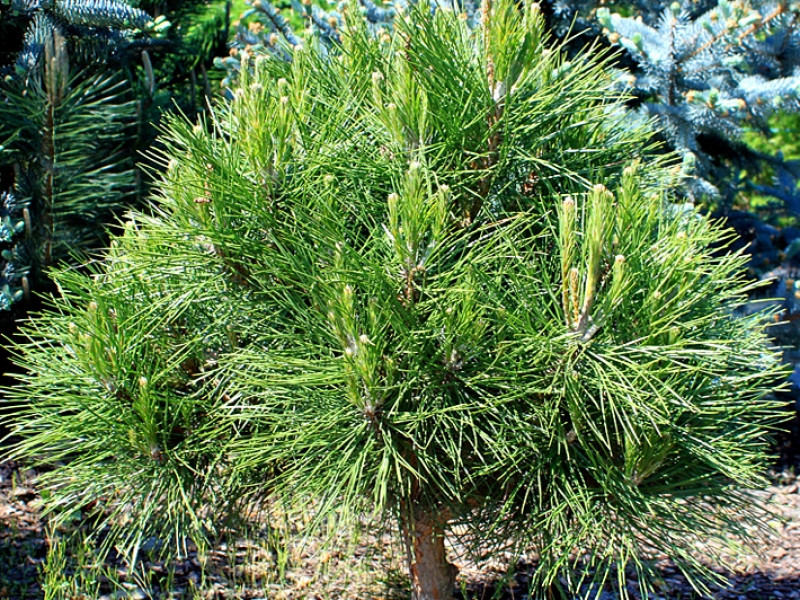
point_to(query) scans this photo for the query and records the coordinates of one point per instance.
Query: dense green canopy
(433, 276)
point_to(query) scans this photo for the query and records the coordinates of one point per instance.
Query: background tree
(84, 86)
(67, 137)
(421, 277)
(705, 76)
(63, 133)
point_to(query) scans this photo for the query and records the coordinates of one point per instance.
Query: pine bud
(377, 77)
(574, 278)
(143, 382)
(352, 347)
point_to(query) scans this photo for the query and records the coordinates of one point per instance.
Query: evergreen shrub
(432, 276)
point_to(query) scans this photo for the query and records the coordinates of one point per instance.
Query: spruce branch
(711, 75)
(101, 13)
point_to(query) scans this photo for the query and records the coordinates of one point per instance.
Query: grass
(258, 563)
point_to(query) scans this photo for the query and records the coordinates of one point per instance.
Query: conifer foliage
(706, 76)
(81, 97)
(91, 25)
(64, 130)
(705, 71)
(430, 276)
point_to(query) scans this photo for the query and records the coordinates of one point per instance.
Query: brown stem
(433, 577)
(779, 10)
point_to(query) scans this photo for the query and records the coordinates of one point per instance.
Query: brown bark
(432, 576)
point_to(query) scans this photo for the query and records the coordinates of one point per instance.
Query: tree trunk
(432, 576)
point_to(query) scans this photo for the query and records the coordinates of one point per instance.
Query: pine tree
(434, 277)
(705, 71)
(198, 32)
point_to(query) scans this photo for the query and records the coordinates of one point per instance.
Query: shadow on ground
(22, 542)
(758, 586)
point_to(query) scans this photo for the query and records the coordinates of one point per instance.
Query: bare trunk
(432, 576)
